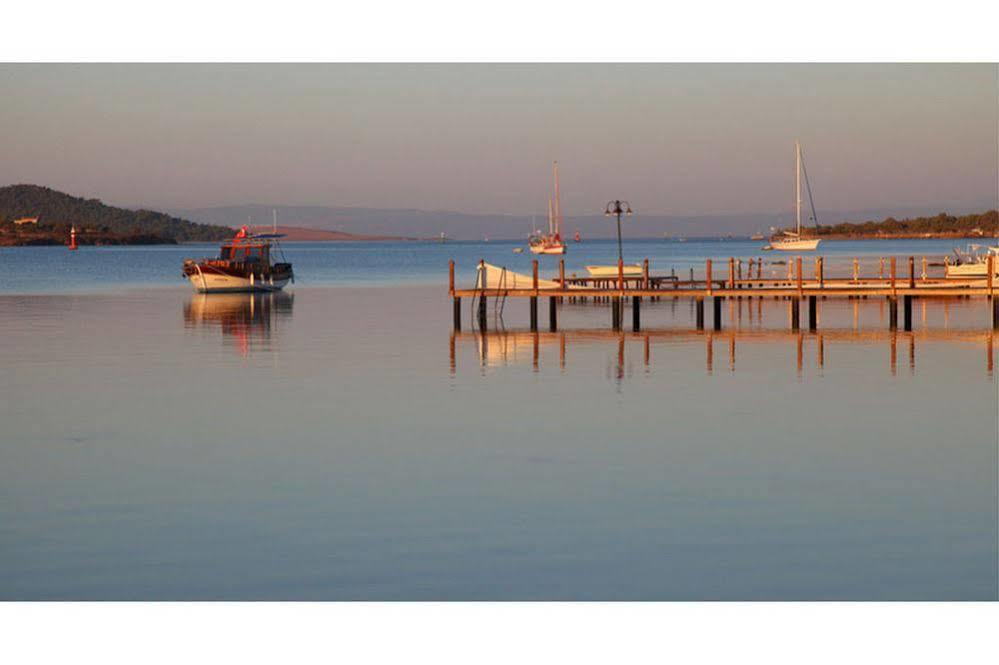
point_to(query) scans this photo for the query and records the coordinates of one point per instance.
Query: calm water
(339, 442)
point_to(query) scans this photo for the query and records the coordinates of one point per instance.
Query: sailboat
(551, 242)
(792, 241)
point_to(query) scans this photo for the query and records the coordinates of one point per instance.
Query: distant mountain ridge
(472, 226)
(95, 221)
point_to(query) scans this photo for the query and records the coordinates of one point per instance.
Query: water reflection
(247, 320)
(510, 348)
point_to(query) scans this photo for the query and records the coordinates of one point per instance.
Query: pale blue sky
(673, 139)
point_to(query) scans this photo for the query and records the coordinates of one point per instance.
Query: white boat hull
(204, 282)
(632, 270)
(557, 249)
(971, 269)
(795, 245)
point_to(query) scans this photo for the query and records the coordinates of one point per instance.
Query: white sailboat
(551, 242)
(792, 241)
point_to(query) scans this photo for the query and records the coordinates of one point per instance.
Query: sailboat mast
(797, 185)
(549, 215)
(558, 204)
(275, 219)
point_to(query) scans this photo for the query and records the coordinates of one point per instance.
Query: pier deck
(795, 287)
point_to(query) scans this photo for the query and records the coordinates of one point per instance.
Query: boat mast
(549, 215)
(558, 205)
(797, 185)
(275, 219)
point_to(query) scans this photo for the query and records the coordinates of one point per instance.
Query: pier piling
(812, 313)
(716, 306)
(636, 313)
(553, 313)
(457, 313)
(907, 312)
(700, 313)
(892, 312)
(795, 313)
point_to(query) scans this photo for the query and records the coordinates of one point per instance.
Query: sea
(341, 441)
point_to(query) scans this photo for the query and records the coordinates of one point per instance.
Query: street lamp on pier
(618, 208)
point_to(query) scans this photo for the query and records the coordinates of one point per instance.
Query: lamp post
(618, 208)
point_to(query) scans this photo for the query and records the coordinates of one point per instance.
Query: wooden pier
(718, 286)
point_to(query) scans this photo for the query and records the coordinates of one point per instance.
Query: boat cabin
(246, 252)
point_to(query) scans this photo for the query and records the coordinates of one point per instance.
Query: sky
(682, 139)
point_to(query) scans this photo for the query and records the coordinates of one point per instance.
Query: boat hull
(633, 270)
(218, 282)
(970, 269)
(795, 245)
(557, 249)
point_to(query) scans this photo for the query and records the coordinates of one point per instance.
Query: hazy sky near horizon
(673, 139)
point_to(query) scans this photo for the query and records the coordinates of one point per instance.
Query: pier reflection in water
(247, 320)
(505, 348)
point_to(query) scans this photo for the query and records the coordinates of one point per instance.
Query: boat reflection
(247, 320)
(508, 348)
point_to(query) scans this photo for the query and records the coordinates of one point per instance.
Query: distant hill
(466, 226)
(300, 233)
(96, 223)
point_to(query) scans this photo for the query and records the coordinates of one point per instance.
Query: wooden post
(482, 297)
(553, 313)
(907, 312)
(561, 272)
(893, 313)
(738, 269)
(616, 312)
(820, 267)
(534, 298)
(856, 269)
(797, 267)
(457, 313)
(700, 313)
(636, 315)
(795, 314)
(912, 272)
(645, 274)
(812, 314)
(759, 268)
(995, 313)
(990, 270)
(716, 302)
(707, 274)
(731, 272)
(881, 268)
(450, 278)
(893, 285)
(923, 274)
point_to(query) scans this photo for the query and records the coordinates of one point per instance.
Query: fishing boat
(972, 262)
(551, 242)
(793, 241)
(244, 265)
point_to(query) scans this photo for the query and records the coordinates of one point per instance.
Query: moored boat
(973, 262)
(793, 241)
(629, 270)
(244, 265)
(551, 242)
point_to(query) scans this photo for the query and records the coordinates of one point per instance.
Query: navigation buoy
(72, 238)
